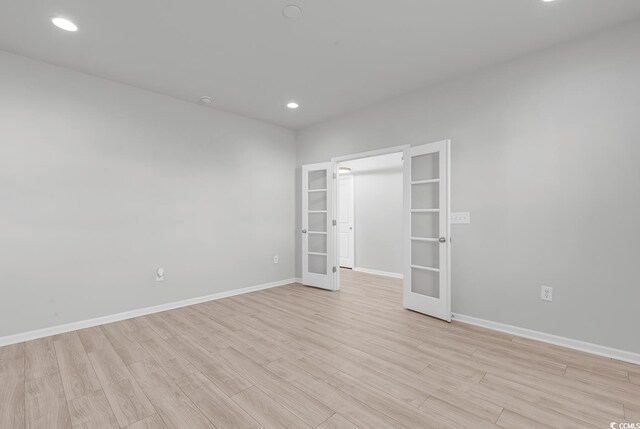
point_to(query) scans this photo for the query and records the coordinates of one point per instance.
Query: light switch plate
(460, 218)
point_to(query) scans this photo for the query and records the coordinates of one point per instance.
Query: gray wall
(378, 220)
(378, 212)
(101, 183)
(546, 157)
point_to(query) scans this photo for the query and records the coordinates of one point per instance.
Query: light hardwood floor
(298, 357)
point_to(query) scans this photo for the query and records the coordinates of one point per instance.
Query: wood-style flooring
(299, 357)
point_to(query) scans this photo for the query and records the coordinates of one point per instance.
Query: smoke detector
(291, 11)
(205, 100)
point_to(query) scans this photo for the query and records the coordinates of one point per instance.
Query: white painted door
(317, 226)
(427, 287)
(345, 220)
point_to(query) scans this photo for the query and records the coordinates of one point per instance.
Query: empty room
(319, 214)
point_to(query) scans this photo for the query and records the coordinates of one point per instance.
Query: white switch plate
(460, 218)
(546, 293)
(276, 259)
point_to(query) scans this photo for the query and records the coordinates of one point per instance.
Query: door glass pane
(318, 243)
(425, 282)
(425, 167)
(318, 222)
(425, 254)
(318, 179)
(425, 196)
(317, 201)
(317, 264)
(425, 225)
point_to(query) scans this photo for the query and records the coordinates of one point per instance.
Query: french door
(426, 275)
(317, 226)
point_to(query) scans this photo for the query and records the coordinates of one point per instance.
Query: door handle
(442, 240)
(304, 231)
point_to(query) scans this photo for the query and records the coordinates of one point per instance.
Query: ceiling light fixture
(344, 170)
(64, 24)
(293, 105)
(291, 11)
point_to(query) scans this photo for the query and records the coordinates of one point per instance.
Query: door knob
(442, 240)
(304, 231)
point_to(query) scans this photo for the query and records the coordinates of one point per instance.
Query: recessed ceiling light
(205, 100)
(344, 170)
(291, 11)
(64, 24)
(293, 105)
(547, 0)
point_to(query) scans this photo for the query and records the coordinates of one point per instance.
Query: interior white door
(346, 220)
(317, 224)
(427, 287)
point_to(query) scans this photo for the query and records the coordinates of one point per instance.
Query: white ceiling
(337, 57)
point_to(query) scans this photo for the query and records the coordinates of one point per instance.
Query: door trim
(337, 160)
(371, 153)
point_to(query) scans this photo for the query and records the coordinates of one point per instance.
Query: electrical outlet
(546, 293)
(276, 259)
(160, 275)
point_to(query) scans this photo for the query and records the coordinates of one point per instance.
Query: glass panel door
(426, 277)
(317, 268)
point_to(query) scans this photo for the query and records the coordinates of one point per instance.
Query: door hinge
(335, 269)
(335, 222)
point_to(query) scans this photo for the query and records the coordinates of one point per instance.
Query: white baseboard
(377, 273)
(81, 324)
(583, 346)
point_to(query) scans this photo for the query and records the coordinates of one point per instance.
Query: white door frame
(337, 160)
(395, 149)
(352, 247)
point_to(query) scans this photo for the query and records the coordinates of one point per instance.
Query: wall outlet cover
(276, 259)
(546, 293)
(460, 218)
